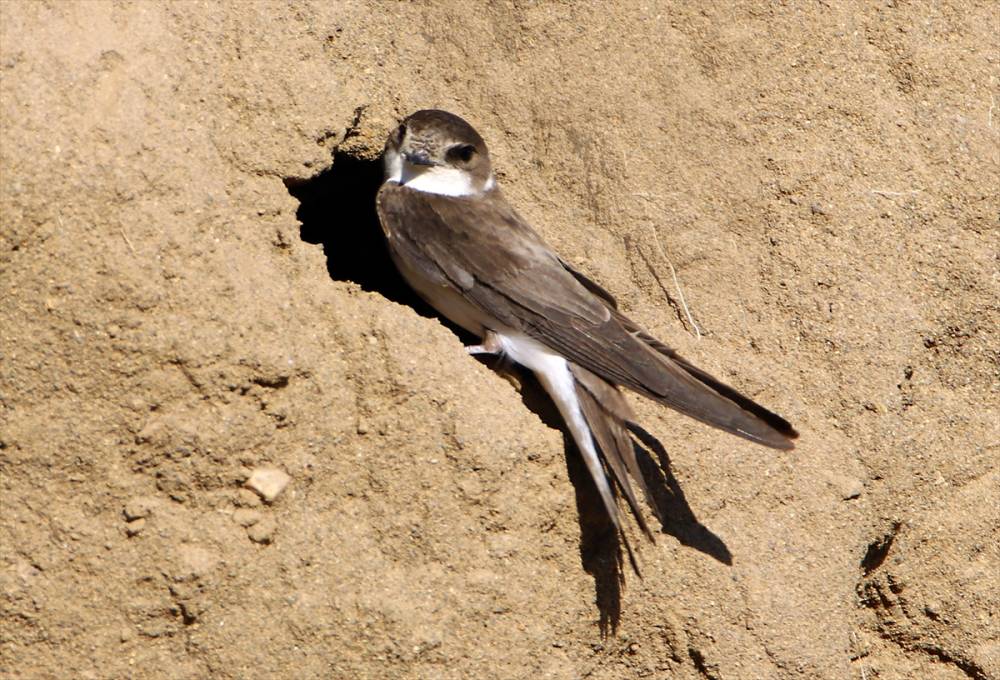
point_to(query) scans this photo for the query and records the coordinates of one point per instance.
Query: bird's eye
(461, 152)
(400, 132)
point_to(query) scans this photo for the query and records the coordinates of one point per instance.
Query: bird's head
(437, 152)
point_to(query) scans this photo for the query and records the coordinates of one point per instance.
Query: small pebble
(853, 490)
(192, 562)
(245, 498)
(268, 482)
(263, 531)
(246, 517)
(138, 508)
(848, 487)
(135, 526)
(471, 487)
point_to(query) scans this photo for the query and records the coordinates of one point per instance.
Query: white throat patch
(433, 179)
(437, 180)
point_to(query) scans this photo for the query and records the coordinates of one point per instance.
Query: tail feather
(606, 412)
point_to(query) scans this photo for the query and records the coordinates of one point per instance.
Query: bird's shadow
(337, 210)
(602, 552)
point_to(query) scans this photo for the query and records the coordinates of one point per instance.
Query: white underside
(445, 299)
(551, 369)
(554, 374)
(433, 179)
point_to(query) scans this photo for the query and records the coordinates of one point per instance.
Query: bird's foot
(490, 345)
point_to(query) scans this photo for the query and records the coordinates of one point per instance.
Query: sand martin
(471, 256)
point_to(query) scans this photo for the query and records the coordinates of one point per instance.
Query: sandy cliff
(193, 288)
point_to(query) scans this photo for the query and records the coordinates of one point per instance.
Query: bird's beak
(418, 157)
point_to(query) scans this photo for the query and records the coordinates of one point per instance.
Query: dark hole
(337, 211)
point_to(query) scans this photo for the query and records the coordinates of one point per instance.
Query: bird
(459, 244)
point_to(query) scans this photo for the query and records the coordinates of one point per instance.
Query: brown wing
(485, 250)
(744, 402)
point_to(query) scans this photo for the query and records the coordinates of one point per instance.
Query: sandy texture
(193, 288)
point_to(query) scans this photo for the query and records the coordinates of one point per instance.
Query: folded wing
(485, 250)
